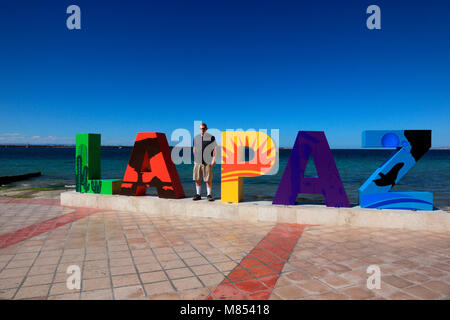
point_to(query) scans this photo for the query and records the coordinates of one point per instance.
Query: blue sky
(159, 65)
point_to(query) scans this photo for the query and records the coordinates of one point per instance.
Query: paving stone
(129, 292)
(33, 292)
(290, 292)
(97, 283)
(13, 273)
(125, 280)
(61, 288)
(173, 264)
(11, 283)
(432, 272)
(122, 270)
(165, 296)
(211, 279)
(438, 286)
(200, 255)
(204, 269)
(187, 283)
(158, 288)
(70, 296)
(396, 281)
(194, 294)
(422, 293)
(156, 276)
(297, 276)
(358, 293)
(335, 281)
(148, 267)
(225, 266)
(97, 273)
(328, 296)
(179, 273)
(7, 293)
(415, 277)
(314, 286)
(399, 295)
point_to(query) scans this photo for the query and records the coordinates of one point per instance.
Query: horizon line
(130, 146)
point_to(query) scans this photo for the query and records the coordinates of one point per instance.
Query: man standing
(204, 159)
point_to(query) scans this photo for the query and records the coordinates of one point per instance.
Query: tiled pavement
(137, 256)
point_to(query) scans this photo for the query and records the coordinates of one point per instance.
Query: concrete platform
(437, 220)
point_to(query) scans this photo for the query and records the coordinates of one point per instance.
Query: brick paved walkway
(137, 256)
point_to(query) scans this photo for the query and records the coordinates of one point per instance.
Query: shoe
(197, 197)
(210, 198)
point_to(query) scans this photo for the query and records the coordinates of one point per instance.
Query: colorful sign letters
(87, 169)
(151, 165)
(411, 145)
(234, 168)
(328, 183)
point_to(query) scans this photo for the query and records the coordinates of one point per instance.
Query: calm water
(432, 172)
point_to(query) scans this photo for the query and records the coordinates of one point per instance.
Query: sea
(57, 165)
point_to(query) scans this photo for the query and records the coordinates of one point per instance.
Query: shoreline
(130, 147)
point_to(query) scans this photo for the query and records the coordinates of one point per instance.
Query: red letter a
(151, 165)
